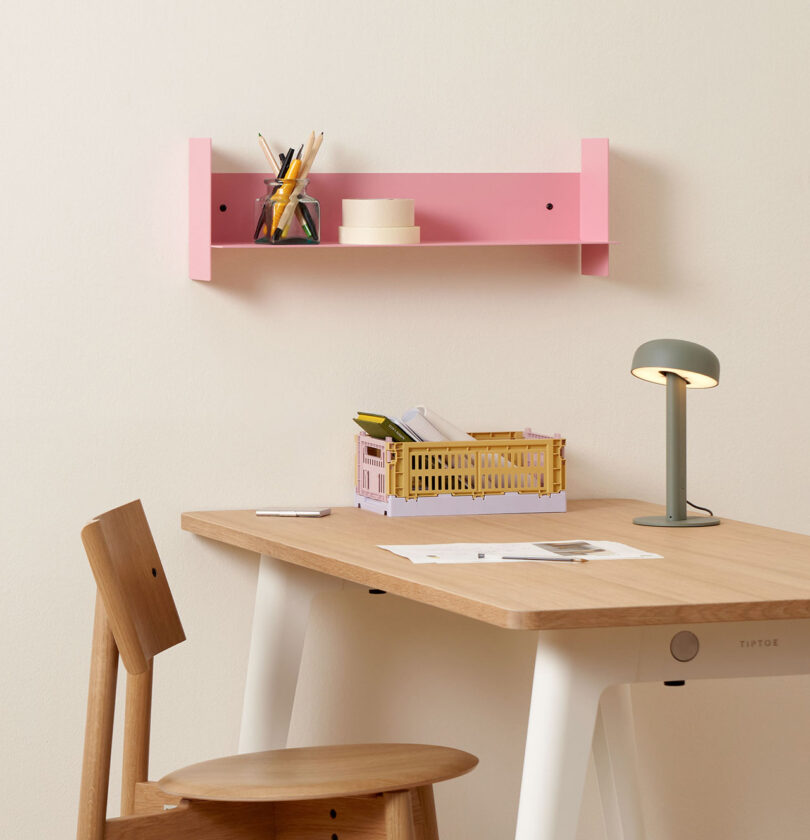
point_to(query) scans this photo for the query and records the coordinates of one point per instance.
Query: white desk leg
(614, 753)
(283, 596)
(572, 669)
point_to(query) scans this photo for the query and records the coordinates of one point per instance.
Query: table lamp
(678, 365)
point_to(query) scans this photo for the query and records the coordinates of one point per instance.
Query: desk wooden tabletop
(731, 572)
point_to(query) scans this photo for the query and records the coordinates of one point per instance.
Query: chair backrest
(129, 575)
(136, 618)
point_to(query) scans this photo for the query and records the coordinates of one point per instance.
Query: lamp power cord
(698, 507)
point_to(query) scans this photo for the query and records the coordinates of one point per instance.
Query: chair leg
(399, 816)
(136, 737)
(427, 805)
(99, 730)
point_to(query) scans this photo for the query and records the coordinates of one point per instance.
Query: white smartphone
(294, 511)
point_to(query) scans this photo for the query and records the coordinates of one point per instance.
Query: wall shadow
(253, 274)
(640, 222)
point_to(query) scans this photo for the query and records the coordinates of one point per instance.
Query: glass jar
(286, 214)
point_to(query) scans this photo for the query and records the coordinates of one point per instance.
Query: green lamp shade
(695, 364)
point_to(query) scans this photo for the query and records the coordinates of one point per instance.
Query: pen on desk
(547, 559)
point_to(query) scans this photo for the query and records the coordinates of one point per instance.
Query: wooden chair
(371, 791)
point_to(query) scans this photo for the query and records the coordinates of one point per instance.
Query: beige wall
(121, 378)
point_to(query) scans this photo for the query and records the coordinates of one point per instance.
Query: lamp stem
(676, 447)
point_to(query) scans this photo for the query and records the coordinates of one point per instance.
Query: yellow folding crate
(498, 472)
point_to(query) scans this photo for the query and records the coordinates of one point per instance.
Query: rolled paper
(378, 235)
(417, 422)
(437, 422)
(378, 212)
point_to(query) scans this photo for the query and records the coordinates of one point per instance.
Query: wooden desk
(602, 623)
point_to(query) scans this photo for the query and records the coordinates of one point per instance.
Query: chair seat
(317, 772)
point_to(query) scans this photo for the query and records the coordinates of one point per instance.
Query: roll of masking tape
(378, 235)
(377, 212)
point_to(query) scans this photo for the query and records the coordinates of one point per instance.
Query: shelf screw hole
(549, 206)
(154, 572)
(333, 813)
(223, 208)
(334, 837)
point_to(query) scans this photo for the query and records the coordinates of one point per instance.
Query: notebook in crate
(380, 426)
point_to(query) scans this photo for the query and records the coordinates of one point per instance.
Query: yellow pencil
(282, 198)
(284, 222)
(307, 159)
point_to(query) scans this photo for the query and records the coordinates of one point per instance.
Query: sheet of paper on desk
(509, 552)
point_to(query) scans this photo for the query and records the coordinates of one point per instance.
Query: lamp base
(689, 522)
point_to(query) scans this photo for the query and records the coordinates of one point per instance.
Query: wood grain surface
(307, 773)
(731, 572)
(132, 585)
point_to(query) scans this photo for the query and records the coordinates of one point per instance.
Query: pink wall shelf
(530, 208)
